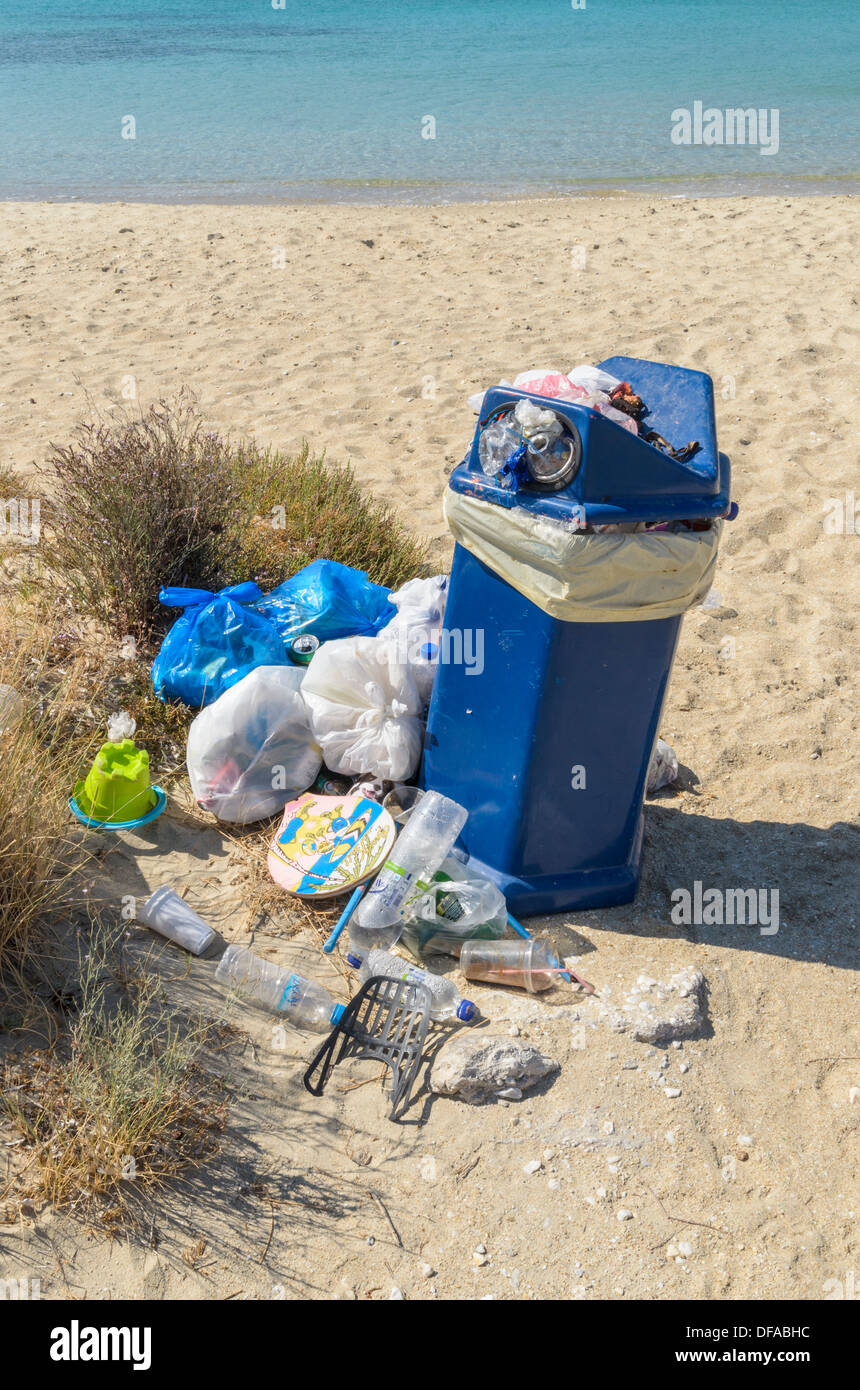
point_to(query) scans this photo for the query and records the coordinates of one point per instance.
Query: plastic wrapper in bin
(329, 600)
(365, 709)
(216, 642)
(252, 751)
(583, 578)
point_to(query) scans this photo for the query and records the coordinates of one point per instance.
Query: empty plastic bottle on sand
(447, 1003)
(423, 843)
(299, 1001)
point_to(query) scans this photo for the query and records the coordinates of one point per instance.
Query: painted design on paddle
(332, 847)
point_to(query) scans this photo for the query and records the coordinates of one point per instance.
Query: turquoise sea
(419, 100)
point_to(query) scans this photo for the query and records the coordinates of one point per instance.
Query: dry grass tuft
(120, 1106)
(40, 850)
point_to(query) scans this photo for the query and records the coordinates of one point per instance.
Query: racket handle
(355, 899)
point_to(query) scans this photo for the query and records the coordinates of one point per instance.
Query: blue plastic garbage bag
(329, 600)
(217, 641)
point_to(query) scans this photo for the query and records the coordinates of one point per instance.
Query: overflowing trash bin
(580, 543)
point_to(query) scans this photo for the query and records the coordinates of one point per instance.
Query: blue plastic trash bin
(558, 646)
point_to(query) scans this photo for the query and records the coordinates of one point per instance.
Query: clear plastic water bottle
(447, 1003)
(301, 1002)
(423, 843)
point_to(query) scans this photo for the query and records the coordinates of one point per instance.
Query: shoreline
(408, 194)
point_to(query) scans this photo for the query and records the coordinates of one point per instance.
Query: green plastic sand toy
(117, 786)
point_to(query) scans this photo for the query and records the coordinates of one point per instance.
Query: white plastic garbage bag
(415, 633)
(584, 578)
(365, 708)
(252, 750)
(593, 378)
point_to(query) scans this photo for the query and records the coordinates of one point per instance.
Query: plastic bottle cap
(354, 961)
(337, 1013)
(429, 651)
(466, 1010)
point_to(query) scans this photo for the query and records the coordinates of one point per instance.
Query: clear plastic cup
(166, 913)
(401, 802)
(531, 965)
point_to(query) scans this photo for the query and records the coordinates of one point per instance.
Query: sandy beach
(364, 330)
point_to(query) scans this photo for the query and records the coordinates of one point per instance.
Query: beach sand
(364, 330)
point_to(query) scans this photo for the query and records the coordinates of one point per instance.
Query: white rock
(684, 1066)
(671, 1092)
(667, 1011)
(608, 1127)
(548, 1155)
(623, 1214)
(854, 1095)
(510, 1093)
(554, 1185)
(685, 1248)
(475, 1069)
(745, 1141)
(396, 1295)
(427, 1271)
(480, 1249)
(533, 1167)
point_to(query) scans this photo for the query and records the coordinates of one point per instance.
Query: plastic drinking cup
(166, 913)
(531, 965)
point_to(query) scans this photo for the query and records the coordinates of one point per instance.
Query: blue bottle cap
(337, 1013)
(354, 961)
(466, 1010)
(429, 651)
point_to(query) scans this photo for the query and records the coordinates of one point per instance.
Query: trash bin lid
(621, 477)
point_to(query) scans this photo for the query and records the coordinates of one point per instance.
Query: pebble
(480, 1249)
(371, 1240)
(479, 1259)
(396, 1295)
(510, 1093)
(623, 1214)
(608, 1127)
(533, 1167)
(745, 1141)
(554, 1185)
(427, 1271)
(685, 1066)
(685, 1248)
(548, 1155)
(671, 1092)
(854, 1095)
(514, 1031)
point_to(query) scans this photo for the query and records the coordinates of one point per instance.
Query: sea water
(419, 100)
